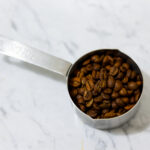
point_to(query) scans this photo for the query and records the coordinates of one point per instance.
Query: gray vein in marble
(127, 136)
(69, 48)
(38, 21)
(3, 111)
(14, 142)
(99, 33)
(13, 25)
(40, 127)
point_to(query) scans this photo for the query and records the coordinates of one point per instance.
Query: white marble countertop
(35, 112)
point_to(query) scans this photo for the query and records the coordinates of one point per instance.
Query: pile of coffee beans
(105, 86)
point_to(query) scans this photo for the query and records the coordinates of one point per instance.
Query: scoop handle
(33, 56)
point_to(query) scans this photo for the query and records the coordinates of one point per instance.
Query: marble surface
(35, 112)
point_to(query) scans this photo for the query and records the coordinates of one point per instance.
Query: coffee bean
(98, 99)
(111, 82)
(132, 85)
(109, 114)
(95, 58)
(89, 67)
(114, 94)
(125, 80)
(105, 96)
(126, 66)
(120, 102)
(96, 106)
(87, 95)
(128, 74)
(75, 82)
(107, 91)
(123, 92)
(125, 100)
(81, 90)
(89, 103)
(82, 107)
(96, 66)
(114, 105)
(113, 71)
(139, 83)
(83, 80)
(73, 92)
(105, 111)
(86, 62)
(92, 113)
(132, 100)
(133, 74)
(118, 85)
(128, 107)
(80, 99)
(120, 75)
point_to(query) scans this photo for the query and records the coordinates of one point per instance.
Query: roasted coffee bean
(110, 114)
(96, 106)
(114, 105)
(114, 94)
(87, 95)
(81, 90)
(132, 85)
(119, 102)
(108, 67)
(86, 62)
(123, 92)
(98, 99)
(105, 111)
(133, 74)
(117, 64)
(96, 66)
(82, 107)
(128, 74)
(75, 82)
(105, 96)
(95, 58)
(139, 83)
(105, 104)
(128, 107)
(105, 86)
(111, 82)
(92, 113)
(89, 103)
(125, 100)
(132, 100)
(103, 74)
(73, 92)
(113, 71)
(118, 85)
(129, 92)
(107, 91)
(125, 80)
(126, 66)
(89, 67)
(94, 74)
(83, 80)
(120, 75)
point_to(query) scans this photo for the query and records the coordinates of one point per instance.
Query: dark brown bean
(128, 74)
(126, 66)
(119, 102)
(92, 113)
(123, 92)
(73, 92)
(118, 85)
(132, 85)
(113, 71)
(89, 103)
(105, 111)
(114, 94)
(81, 90)
(125, 100)
(80, 99)
(89, 67)
(95, 58)
(96, 106)
(132, 100)
(75, 82)
(111, 82)
(128, 107)
(114, 105)
(125, 80)
(107, 91)
(82, 107)
(87, 95)
(120, 75)
(98, 99)
(105, 96)
(96, 66)
(86, 62)
(133, 74)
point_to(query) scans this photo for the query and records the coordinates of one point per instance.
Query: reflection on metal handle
(33, 56)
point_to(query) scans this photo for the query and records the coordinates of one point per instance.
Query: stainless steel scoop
(65, 68)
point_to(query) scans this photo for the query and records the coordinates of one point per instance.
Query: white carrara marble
(35, 112)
